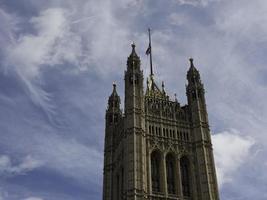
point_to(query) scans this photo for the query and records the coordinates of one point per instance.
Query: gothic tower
(157, 149)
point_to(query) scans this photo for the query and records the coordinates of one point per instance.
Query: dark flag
(148, 51)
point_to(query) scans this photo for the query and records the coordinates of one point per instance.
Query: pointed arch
(170, 173)
(155, 171)
(185, 175)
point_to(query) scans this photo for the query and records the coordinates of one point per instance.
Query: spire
(191, 62)
(192, 74)
(133, 59)
(192, 67)
(163, 87)
(114, 92)
(133, 50)
(114, 99)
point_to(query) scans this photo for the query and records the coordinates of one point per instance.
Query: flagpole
(151, 68)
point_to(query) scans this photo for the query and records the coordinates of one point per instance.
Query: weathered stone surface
(158, 149)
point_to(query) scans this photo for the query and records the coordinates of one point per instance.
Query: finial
(133, 49)
(191, 62)
(114, 85)
(162, 85)
(133, 45)
(175, 96)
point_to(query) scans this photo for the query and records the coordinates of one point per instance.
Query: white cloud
(195, 2)
(244, 22)
(9, 22)
(64, 36)
(4, 195)
(52, 43)
(33, 198)
(27, 164)
(178, 19)
(231, 150)
(70, 158)
(66, 156)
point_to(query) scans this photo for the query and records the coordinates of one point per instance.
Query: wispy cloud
(231, 150)
(33, 198)
(50, 44)
(196, 2)
(27, 164)
(50, 27)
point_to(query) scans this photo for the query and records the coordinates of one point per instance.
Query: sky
(58, 59)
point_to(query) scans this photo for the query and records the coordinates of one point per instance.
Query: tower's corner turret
(133, 83)
(114, 99)
(194, 89)
(113, 113)
(193, 75)
(196, 97)
(133, 61)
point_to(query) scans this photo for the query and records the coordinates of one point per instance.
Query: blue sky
(58, 59)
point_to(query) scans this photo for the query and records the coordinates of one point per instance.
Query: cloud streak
(27, 164)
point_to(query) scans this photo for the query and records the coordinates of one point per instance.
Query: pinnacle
(191, 62)
(133, 54)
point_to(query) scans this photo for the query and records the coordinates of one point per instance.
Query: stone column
(163, 180)
(193, 182)
(149, 174)
(179, 187)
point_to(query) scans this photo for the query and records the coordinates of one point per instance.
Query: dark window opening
(110, 119)
(170, 173)
(115, 104)
(115, 118)
(122, 182)
(185, 176)
(155, 171)
(194, 96)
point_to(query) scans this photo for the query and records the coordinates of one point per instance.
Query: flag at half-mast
(148, 51)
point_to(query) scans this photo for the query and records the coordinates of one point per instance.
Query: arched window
(170, 173)
(185, 176)
(155, 171)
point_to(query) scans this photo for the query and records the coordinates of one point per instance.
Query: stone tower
(158, 149)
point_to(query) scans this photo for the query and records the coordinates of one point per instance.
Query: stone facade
(158, 149)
